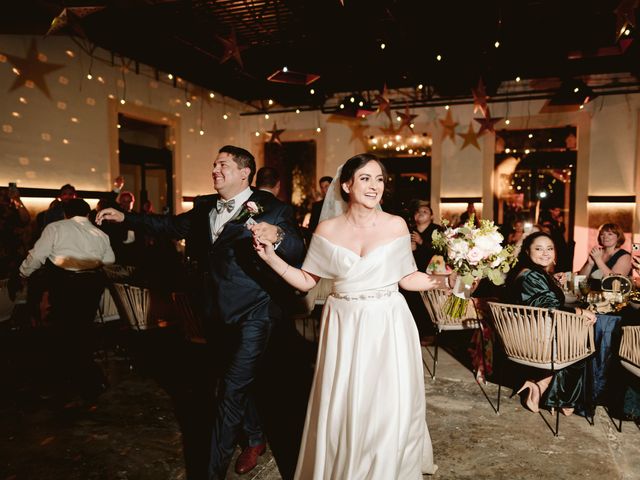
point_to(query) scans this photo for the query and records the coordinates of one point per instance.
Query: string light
(439, 57)
(266, 116)
(318, 129)
(517, 79)
(201, 132)
(170, 76)
(89, 76)
(497, 44)
(212, 95)
(297, 110)
(285, 69)
(383, 46)
(312, 91)
(225, 116)
(188, 103)
(507, 121)
(270, 102)
(257, 133)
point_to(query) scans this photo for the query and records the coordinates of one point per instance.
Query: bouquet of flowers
(473, 253)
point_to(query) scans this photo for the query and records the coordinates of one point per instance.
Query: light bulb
(312, 91)
(318, 129)
(383, 46)
(211, 95)
(89, 76)
(266, 116)
(297, 110)
(497, 44)
(517, 79)
(439, 57)
(201, 132)
(270, 102)
(225, 116)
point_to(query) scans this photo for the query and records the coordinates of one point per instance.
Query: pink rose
(252, 208)
(474, 255)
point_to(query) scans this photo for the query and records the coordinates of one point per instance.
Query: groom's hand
(264, 231)
(109, 214)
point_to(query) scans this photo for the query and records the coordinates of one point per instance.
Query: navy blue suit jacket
(238, 285)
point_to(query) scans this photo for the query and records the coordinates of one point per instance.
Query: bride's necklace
(373, 224)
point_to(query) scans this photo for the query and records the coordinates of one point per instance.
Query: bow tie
(225, 205)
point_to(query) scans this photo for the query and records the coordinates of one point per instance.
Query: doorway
(296, 164)
(146, 163)
(535, 183)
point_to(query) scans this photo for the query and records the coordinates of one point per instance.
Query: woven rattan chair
(107, 308)
(542, 338)
(191, 322)
(630, 349)
(135, 303)
(434, 301)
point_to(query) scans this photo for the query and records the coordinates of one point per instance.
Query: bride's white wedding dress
(366, 413)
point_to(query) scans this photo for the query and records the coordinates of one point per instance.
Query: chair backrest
(542, 338)
(136, 302)
(434, 301)
(192, 323)
(630, 349)
(6, 304)
(107, 308)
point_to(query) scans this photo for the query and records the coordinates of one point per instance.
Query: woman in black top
(607, 257)
(421, 232)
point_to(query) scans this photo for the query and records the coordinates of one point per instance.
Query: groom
(242, 296)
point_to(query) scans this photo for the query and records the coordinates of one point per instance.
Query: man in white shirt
(72, 251)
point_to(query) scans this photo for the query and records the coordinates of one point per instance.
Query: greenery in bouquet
(473, 253)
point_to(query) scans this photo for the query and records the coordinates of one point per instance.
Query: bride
(366, 412)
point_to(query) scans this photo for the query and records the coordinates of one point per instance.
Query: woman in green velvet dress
(531, 283)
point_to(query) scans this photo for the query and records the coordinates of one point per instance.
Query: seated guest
(531, 283)
(607, 257)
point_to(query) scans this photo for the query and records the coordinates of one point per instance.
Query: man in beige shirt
(72, 252)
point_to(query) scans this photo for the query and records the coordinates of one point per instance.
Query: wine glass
(585, 288)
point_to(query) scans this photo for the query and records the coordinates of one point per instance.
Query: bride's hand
(263, 248)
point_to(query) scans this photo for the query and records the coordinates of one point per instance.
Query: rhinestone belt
(368, 295)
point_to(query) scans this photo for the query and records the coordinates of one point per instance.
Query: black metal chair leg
(435, 357)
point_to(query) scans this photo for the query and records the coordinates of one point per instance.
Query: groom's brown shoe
(248, 459)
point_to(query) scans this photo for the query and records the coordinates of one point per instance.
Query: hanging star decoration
(448, 127)
(406, 119)
(384, 105)
(488, 123)
(470, 138)
(232, 49)
(70, 17)
(31, 69)
(480, 98)
(275, 133)
(625, 16)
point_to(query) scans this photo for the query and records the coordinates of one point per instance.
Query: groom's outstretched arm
(174, 226)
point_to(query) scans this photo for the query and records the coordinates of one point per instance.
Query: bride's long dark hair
(525, 262)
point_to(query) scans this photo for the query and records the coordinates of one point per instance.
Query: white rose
(489, 244)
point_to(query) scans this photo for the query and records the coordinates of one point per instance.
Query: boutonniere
(249, 210)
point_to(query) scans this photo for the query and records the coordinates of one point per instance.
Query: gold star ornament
(384, 105)
(448, 127)
(275, 133)
(470, 138)
(488, 123)
(232, 49)
(69, 17)
(406, 119)
(31, 69)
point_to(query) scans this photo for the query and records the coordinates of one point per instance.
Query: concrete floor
(132, 433)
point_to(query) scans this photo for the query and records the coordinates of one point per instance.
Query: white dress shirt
(218, 220)
(75, 238)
